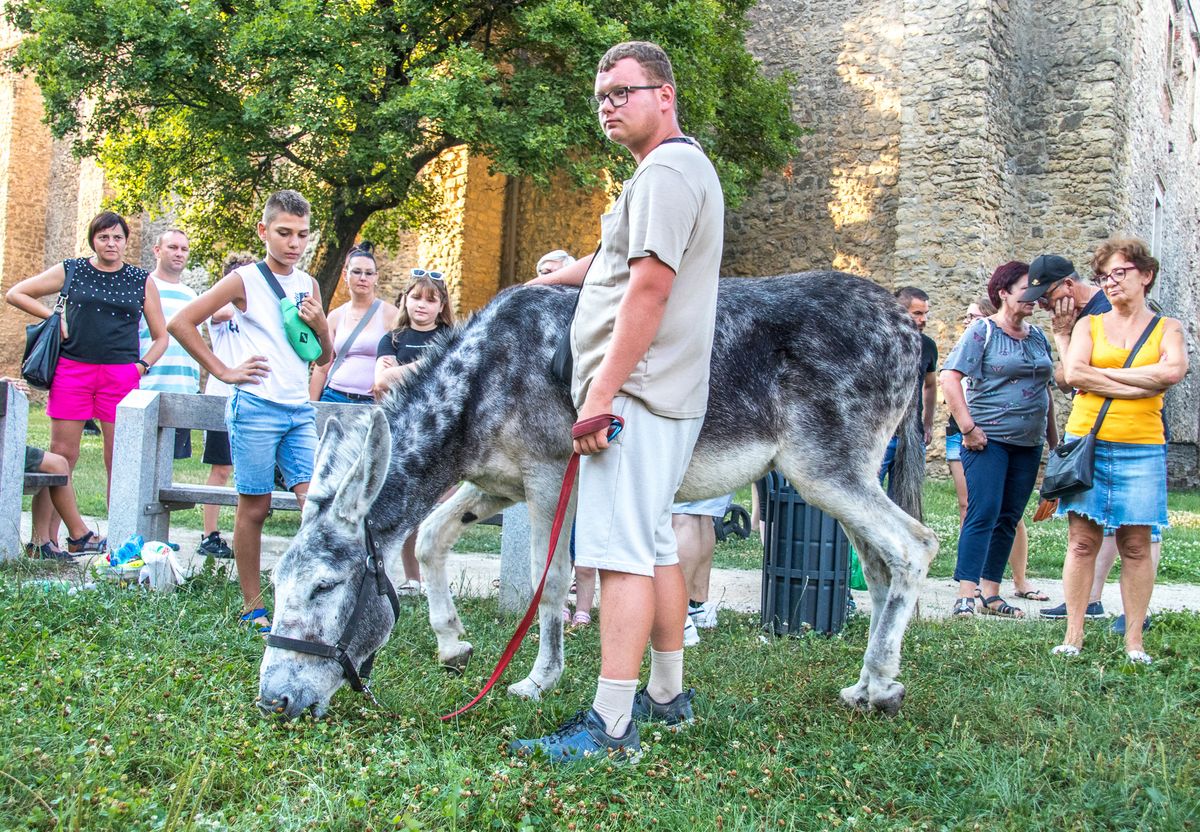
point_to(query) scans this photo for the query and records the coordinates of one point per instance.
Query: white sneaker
(705, 615)
(691, 636)
(410, 589)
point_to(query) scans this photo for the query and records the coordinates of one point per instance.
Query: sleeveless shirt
(1134, 421)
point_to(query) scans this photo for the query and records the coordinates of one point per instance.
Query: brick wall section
(557, 216)
(24, 188)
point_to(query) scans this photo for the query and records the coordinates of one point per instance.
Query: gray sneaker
(674, 714)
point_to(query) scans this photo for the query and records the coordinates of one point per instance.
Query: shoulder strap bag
(1072, 465)
(43, 341)
(362, 324)
(299, 334)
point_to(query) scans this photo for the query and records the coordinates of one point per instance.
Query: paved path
(737, 589)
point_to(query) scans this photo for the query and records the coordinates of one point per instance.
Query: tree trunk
(336, 241)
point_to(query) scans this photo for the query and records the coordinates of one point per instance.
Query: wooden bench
(14, 427)
(144, 492)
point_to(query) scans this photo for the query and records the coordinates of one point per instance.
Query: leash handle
(615, 425)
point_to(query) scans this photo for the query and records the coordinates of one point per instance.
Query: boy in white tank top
(269, 417)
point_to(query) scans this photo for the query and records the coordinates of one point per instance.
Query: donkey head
(318, 578)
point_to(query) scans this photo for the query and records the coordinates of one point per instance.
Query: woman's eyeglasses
(424, 273)
(362, 273)
(1117, 275)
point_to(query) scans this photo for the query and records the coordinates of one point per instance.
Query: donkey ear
(364, 480)
(331, 437)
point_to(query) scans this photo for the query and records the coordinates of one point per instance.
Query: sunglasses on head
(424, 273)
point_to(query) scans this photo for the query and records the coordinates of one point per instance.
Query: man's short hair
(104, 221)
(285, 202)
(163, 235)
(650, 56)
(907, 294)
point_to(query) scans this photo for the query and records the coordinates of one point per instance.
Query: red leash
(578, 430)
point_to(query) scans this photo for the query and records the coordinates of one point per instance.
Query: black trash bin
(806, 563)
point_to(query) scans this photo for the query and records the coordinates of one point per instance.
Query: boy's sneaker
(582, 737)
(704, 614)
(1118, 625)
(691, 636)
(213, 546)
(674, 714)
(1094, 610)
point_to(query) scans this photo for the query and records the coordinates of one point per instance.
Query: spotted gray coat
(811, 374)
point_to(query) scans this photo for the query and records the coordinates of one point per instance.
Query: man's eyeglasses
(618, 97)
(423, 273)
(1117, 275)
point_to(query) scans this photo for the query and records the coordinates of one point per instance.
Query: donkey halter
(358, 678)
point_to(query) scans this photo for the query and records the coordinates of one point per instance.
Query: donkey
(812, 374)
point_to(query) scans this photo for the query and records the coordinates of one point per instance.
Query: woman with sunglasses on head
(356, 327)
(425, 311)
(1129, 487)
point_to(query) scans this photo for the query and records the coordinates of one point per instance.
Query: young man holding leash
(641, 342)
(269, 417)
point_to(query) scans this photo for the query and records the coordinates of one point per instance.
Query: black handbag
(562, 363)
(1072, 465)
(43, 341)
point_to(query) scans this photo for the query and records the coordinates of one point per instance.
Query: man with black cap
(1056, 287)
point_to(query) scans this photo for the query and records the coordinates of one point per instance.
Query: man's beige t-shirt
(673, 209)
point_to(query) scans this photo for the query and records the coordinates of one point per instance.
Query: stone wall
(556, 216)
(835, 204)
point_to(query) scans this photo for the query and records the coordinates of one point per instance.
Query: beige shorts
(623, 518)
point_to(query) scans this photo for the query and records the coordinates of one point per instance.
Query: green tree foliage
(206, 106)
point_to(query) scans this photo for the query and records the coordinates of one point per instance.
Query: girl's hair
(364, 249)
(104, 221)
(1004, 278)
(424, 284)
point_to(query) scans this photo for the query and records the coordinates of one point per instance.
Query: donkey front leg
(438, 534)
(548, 667)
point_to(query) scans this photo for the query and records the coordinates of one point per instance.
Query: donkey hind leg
(895, 551)
(438, 534)
(548, 666)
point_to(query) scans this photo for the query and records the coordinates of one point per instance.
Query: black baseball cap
(1044, 272)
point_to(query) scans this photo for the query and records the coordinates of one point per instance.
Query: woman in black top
(425, 311)
(99, 363)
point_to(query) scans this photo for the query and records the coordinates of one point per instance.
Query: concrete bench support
(14, 423)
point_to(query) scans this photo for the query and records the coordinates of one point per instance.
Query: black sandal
(963, 608)
(1005, 610)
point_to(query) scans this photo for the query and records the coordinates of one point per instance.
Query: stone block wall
(557, 216)
(835, 203)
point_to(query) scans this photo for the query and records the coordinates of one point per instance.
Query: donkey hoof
(526, 689)
(457, 663)
(855, 697)
(888, 701)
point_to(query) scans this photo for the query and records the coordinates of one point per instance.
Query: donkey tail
(907, 477)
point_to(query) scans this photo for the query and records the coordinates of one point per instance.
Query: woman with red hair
(1004, 417)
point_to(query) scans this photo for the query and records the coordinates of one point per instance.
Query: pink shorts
(89, 391)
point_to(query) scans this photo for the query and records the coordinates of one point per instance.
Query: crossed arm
(1126, 383)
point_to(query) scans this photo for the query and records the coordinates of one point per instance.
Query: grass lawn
(122, 710)
(1047, 540)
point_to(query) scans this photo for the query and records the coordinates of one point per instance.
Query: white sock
(614, 703)
(666, 675)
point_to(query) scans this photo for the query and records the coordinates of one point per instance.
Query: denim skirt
(1129, 487)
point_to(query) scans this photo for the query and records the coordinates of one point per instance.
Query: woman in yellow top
(1129, 491)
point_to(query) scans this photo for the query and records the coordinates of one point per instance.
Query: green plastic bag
(857, 579)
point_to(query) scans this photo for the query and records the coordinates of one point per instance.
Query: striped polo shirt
(176, 371)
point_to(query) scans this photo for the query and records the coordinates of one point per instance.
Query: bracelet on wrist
(968, 432)
(145, 366)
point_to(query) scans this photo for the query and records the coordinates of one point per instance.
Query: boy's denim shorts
(263, 434)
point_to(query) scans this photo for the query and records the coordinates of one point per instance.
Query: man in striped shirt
(176, 371)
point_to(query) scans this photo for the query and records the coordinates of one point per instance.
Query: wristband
(968, 432)
(143, 363)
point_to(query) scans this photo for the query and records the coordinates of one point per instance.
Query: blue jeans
(263, 434)
(889, 456)
(338, 397)
(1000, 479)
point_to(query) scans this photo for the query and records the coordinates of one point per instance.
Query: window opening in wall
(1156, 231)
